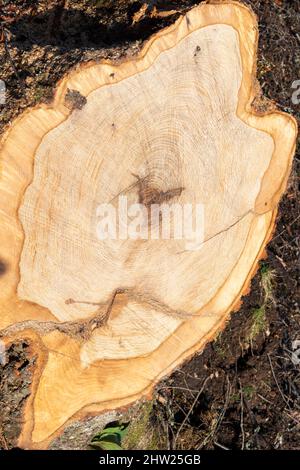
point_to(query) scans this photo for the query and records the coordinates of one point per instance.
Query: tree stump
(108, 318)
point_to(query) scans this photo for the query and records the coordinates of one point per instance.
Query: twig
(185, 389)
(187, 374)
(220, 445)
(276, 382)
(191, 391)
(242, 416)
(292, 418)
(191, 409)
(281, 261)
(220, 418)
(284, 230)
(254, 423)
(265, 399)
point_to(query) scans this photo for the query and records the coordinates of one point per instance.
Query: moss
(248, 391)
(141, 434)
(259, 322)
(220, 350)
(220, 347)
(39, 93)
(267, 281)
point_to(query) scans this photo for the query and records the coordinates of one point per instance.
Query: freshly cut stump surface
(174, 125)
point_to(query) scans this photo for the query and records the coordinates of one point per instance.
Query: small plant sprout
(267, 283)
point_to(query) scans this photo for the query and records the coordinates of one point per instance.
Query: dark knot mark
(197, 50)
(3, 268)
(102, 314)
(149, 195)
(74, 99)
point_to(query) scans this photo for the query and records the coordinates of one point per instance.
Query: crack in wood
(83, 329)
(250, 211)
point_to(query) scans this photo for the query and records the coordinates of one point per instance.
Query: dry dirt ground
(243, 391)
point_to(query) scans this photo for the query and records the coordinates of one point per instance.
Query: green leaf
(110, 438)
(118, 429)
(103, 445)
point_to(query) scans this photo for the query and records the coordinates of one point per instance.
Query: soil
(243, 391)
